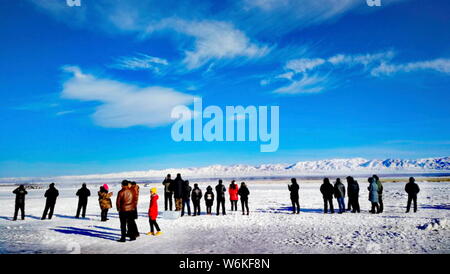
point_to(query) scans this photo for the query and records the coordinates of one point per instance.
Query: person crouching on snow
(153, 213)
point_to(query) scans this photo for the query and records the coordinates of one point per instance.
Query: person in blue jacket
(373, 195)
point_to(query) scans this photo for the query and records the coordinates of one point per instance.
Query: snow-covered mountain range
(353, 166)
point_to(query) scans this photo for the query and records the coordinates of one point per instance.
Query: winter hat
(106, 187)
(153, 190)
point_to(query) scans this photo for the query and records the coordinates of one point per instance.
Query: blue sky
(89, 89)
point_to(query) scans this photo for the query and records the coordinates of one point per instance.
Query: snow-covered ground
(270, 228)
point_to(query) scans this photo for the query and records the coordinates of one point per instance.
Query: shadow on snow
(288, 210)
(87, 232)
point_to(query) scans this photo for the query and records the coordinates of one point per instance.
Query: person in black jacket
(209, 199)
(51, 194)
(177, 188)
(168, 194)
(353, 194)
(327, 191)
(243, 193)
(412, 189)
(339, 193)
(186, 196)
(221, 190)
(294, 188)
(20, 201)
(83, 193)
(196, 197)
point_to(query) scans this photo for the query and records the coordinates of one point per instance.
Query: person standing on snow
(221, 190)
(233, 191)
(104, 199)
(294, 188)
(168, 194)
(177, 188)
(353, 194)
(244, 193)
(20, 201)
(125, 207)
(412, 189)
(327, 191)
(83, 193)
(380, 193)
(186, 196)
(153, 213)
(373, 195)
(135, 190)
(339, 194)
(196, 197)
(209, 199)
(51, 194)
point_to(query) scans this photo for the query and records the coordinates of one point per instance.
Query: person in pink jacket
(153, 213)
(234, 197)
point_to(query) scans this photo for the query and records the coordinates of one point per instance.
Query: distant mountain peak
(349, 166)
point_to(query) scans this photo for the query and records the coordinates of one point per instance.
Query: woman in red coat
(233, 191)
(153, 213)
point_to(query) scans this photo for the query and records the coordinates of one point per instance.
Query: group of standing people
(375, 189)
(127, 204)
(179, 191)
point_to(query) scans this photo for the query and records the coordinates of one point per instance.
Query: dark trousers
(326, 202)
(244, 204)
(295, 205)
(233, 205)
(135, 229)
(380, 203)
(221, 201)
(186, 203)
(354, 204)
(127, 223)
(341, 204)
(196, 207)
(168, 200)
(412, 198)
(209, 208)
(49, 205)
(20, 206)
(375, 208)
(81, 205)
(104, 215)
(153, 225)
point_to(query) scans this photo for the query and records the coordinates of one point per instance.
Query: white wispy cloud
(123, 104)
(228, 33)
(140, 62)
(361, 59)
(306, 84)
(303, 64)
(440, 65)
(61, 113)
(297, 71)
(212, 40)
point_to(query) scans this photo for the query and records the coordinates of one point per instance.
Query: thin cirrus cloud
(122, 104)
(441, 65)
(140, 62)
(297, 72)
(212, 40)
(306, 84)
